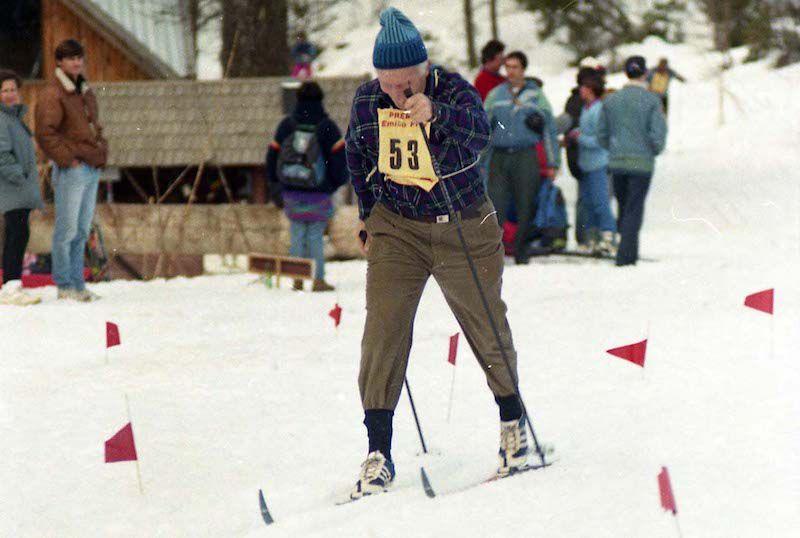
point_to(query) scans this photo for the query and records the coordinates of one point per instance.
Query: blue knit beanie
(398, 43)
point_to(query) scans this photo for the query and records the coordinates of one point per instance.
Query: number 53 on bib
(403, 156)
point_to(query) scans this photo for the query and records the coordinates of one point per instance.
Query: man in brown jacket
(70, 135)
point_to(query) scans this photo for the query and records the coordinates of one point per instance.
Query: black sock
(379, 430)
(510, 407)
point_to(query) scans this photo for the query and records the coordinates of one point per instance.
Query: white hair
(422, 68)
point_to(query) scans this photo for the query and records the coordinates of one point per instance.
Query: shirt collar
(637, 83)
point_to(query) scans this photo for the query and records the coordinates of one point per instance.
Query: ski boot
(377, 474)
(513, 453)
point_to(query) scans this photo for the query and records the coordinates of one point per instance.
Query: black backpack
(300, 161)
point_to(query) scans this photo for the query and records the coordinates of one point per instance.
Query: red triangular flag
(634, 352)
(762, 301)
(112, 334)
(121, 447)
(336, 314)
(664, 486)
(451, 355)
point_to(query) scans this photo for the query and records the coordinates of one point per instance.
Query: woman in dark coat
(308, 207)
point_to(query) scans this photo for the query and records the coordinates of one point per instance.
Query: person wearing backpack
(305, 165)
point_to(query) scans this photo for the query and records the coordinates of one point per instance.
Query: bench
(269, 265)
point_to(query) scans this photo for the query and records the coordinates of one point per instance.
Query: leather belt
(471, 212)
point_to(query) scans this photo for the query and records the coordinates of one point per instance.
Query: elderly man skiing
(409, 233)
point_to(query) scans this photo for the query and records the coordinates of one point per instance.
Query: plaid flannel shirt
(458, 135)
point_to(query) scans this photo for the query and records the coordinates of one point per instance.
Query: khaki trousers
(403, 253)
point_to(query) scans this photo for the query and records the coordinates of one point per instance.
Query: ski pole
(481, 292)
(416, 418)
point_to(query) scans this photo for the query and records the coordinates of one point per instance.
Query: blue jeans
(631, 191)
(75, 199)
(594, 201)
(580, 217)
(306, 242)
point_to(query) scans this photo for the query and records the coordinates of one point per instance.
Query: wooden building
(124, 39)
(173, 140)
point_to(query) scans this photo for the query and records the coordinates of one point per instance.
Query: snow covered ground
(234, 387)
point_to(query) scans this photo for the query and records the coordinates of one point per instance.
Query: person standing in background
(69, 133)
(593, 162)
(519, 122)
(305, 166)
(633, 128)
(489, 76)
(19, 187)
(659, 79)
(572, 109)
(303, 53)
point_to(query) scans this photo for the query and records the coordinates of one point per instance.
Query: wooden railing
(199, 229)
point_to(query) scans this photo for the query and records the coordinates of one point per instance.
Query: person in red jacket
(489, 77)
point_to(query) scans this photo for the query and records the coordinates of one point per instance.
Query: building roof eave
(122, 39)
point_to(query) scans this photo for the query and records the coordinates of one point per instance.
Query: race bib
(403, 156)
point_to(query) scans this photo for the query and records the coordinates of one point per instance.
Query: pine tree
(591, 26)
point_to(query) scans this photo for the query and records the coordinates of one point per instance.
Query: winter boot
(605, 246)
(513, 453)
(297, 285)
(377, 474)
(86, 296)
(12, 294)
(67, 293)
(321, 285)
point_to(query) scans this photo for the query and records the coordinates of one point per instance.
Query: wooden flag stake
(452, 353)
(646, 337)
(678, 526)
(452, 391)
(130, 420)
(337, 302)
(772, 336)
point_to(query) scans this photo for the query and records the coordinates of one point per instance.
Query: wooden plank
(281, 266)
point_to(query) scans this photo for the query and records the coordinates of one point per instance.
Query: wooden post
(452, 391)
(138, 188)
(174, 184)
(138, 469)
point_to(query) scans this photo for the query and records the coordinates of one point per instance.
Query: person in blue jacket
(593, 163)
(19, 187)
(634, 130)
(520, 118)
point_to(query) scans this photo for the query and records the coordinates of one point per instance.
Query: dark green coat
(19, 178)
